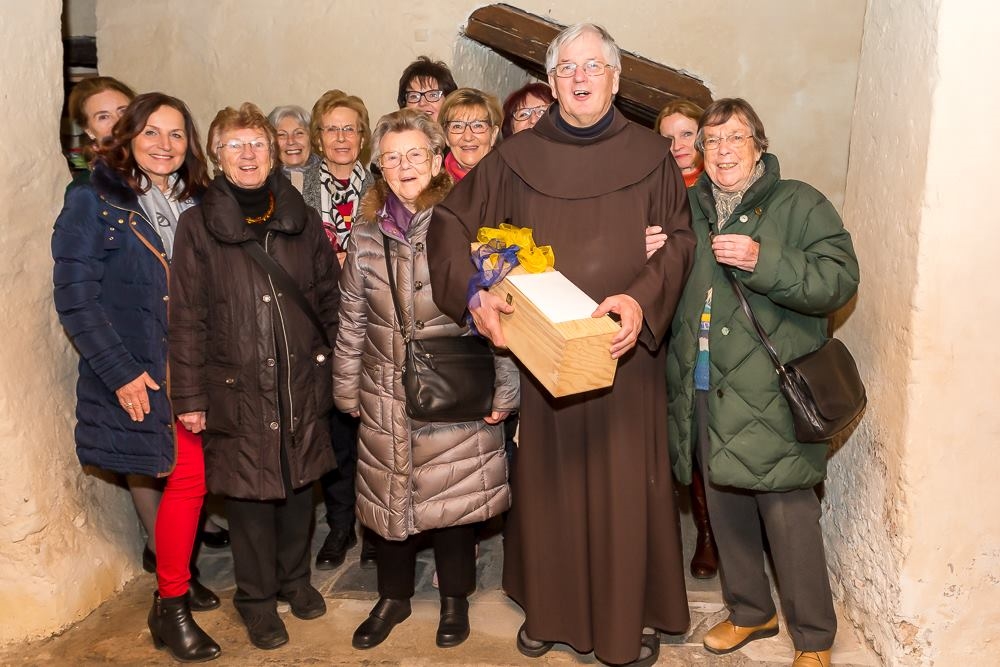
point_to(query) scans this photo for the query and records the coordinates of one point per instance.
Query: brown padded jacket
(232, 332)
(412, 475)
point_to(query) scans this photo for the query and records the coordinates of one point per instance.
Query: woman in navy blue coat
(112, 246)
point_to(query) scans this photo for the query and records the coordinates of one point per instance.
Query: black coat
(244, 352)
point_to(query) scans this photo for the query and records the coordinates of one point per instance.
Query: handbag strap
(286, 283)
(392, 288)
(741, 297)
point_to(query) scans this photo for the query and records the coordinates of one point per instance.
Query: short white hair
(279, 114)
(612, 54)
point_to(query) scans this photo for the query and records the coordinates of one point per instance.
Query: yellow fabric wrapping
(532, 258)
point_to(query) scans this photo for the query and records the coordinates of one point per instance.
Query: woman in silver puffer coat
(413, 477)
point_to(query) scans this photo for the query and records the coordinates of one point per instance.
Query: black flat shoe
(171, 626)
(453, 628)
(334, 550)
(148, 560)
(531, 647)
(265, 628)
(386, 615)
(215, 540)
(306, 602)
(200, 597)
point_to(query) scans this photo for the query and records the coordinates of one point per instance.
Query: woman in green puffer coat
(787, 246)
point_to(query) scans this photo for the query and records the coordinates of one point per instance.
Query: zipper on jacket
(411, 524)
(288, 360)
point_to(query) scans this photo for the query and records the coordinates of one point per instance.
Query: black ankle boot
(200, 597)
(453, 628)
(386, 615)
(171, 625)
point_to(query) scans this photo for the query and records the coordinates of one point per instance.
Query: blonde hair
(333, 99)
(471, 97)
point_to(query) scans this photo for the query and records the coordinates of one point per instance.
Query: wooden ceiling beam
(523, 38)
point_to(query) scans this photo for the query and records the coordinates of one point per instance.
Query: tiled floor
(116, 633)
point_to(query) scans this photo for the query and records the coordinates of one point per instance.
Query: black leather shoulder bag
(823, 388)
(447, 379)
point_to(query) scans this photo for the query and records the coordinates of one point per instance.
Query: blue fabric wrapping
(489, 273)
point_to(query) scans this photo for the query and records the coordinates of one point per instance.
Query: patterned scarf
(726, 202)
(162, 212)
(333, 193)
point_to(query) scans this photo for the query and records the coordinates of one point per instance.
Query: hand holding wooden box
(552, 333)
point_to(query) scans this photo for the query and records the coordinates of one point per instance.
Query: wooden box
(568, 356)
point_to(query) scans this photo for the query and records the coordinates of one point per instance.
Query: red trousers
(178, 517)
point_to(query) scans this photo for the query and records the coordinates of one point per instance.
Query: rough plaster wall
(80, 17)
(951, 576)
(867, 520)
(912, 528)
(477, 66)
(795, 61)
(65, 537)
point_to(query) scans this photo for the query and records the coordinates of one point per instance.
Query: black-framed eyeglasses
(478, 126)
(414, 96)
(590, 68)
(415, 156)
(524, 113)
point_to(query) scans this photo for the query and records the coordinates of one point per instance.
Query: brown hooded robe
(592, 547)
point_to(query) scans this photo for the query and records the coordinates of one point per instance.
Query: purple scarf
(395, 218)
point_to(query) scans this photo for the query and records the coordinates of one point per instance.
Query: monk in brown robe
(592, 547)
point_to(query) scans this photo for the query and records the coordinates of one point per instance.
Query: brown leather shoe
(727, 637)
(812, 659)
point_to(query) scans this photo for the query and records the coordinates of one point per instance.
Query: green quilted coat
(806, 269)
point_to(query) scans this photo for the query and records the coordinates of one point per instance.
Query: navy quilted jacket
(110, 290)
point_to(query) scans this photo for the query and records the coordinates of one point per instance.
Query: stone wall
(913, 505)
(795, 61)
(67, 540)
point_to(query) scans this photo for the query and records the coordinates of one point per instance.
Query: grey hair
(612, 54)
(403, 120)
(279, 114)
(721, 110)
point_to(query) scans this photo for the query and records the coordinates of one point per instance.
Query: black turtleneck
(254, 203)
(594, 130)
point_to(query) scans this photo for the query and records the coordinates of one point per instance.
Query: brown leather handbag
(823, 388)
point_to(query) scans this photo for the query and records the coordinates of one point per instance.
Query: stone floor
(116, 633)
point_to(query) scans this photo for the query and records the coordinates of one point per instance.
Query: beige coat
(412, 475)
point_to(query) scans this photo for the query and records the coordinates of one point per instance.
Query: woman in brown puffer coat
(251, 369)
(413, 477)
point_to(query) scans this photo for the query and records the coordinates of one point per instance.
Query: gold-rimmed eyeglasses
(590, 68)
(713, 143)
(415, 156)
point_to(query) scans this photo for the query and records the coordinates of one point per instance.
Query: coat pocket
(222, 382)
